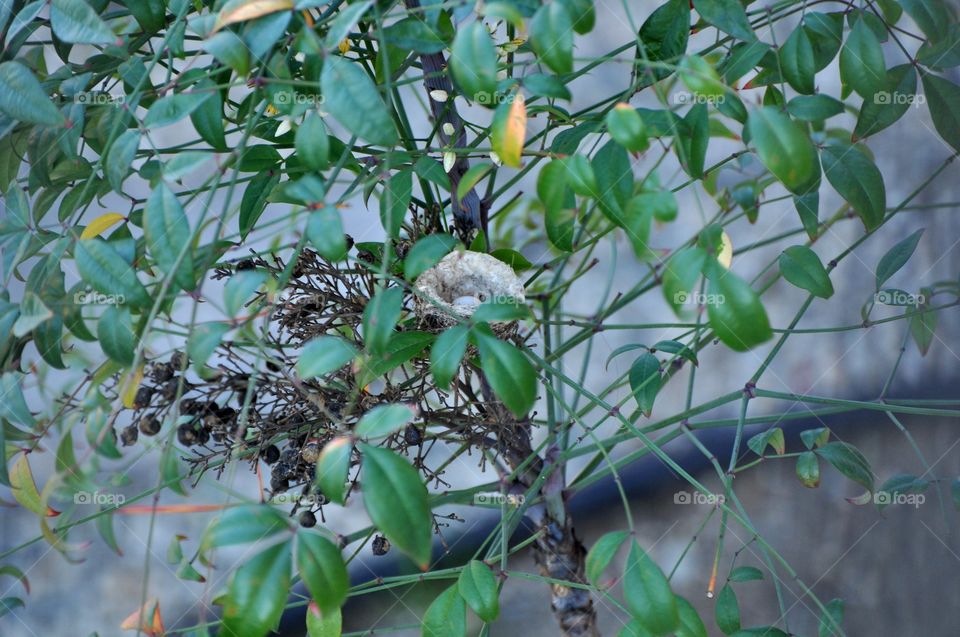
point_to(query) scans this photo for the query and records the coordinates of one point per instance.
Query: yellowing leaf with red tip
(146, 620)
(509, 130)
(101, 223)
(129, 386)
(24, 488)
(251, 11)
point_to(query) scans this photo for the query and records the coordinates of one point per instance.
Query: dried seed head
(129, 435)
(310, 451)
(142, 398)
(149, 425)
(381, 545)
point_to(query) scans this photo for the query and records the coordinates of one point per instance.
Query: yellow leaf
(101, 223)
(24, 488)
(250, 11)
(344, 46)
(129, 385)
(725, 257)
(509, 131)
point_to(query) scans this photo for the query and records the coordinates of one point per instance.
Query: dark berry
(179, 360)
(412, 436)
(162, 372)
(149, 425)
(278, 483)
(245, 264)
(271, 454)
(187, 434)
(308, 519)
(380, 545)
(169, 389)
(142, 399)
(128, 436)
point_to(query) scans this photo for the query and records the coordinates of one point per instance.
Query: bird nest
(451, 291)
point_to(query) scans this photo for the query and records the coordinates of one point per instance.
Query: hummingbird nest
(452, 290)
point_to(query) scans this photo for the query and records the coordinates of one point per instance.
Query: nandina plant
(179, 286)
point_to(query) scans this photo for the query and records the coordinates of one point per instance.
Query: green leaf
(229, 49)
(680, 274)
(512, 258)
(645, 381)
(922, 329)
(509, 372)
(322, 569)
(208, 117)
(797, 61)
(13, 407)
(626, 127)
(344, 23)
(170, 109)
(333, 467)
(932, 16)
(183, 164)
(76, 22)
(473, 63)
(384, 420)
(257, 158)
(582, 13)
(254, 199)
(736, 314)
(808, 469)
(258, 592)
(664, 36)
(772, 438)
(240, 288)
(23, 99)
(324, 354)
(446, 354)
(203, 341)
(745, 574)
(814, 108)
(897, 257)
(727, 611)
(889, 104)
(244, 524)
(848, 460)
(690, 623)
(168, 234)
(446, 616)
(943, 100)
(785, 149)
(402, 347)
(395, 202)
(380, 317)
(802, 267)
(119, 159)
(614, 175)
(648, 595)
(102, 267)
(115, 333)
(862, 67)
(426, 253)
(352, 98)
(313, 143)
(835, 612)
(602, 553)
(701, 78)
(551, 37)
(727, 15)
(396, 499)
(543, 85)
(325, 231)
(323, 624)
(826, 34)
(854, 175)
(478, 587)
